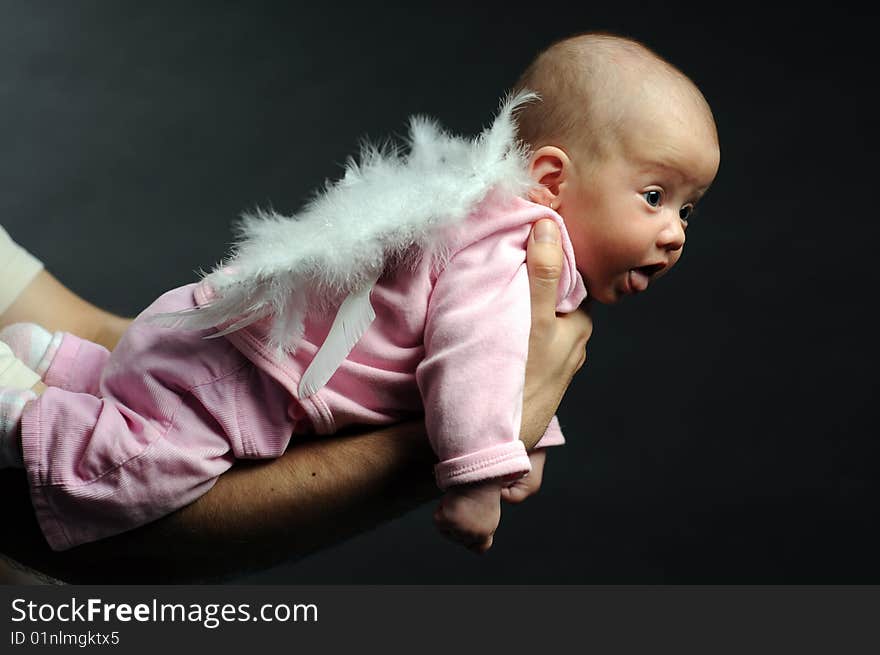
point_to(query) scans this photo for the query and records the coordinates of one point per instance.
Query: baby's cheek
(581, 255)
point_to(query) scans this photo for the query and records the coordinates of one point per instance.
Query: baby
(421, 305)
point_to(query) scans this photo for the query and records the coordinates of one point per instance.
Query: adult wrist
(17, 268)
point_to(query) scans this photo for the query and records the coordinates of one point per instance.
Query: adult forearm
(257, 515)
(52, 305)
(319, 494)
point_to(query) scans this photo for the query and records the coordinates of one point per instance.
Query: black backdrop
(722, 431)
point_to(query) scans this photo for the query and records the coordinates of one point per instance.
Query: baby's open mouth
(640, 277)
(650, 269)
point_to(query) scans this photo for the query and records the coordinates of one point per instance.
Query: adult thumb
(544, 261)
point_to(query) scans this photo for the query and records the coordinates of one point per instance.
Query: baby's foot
(32, 344)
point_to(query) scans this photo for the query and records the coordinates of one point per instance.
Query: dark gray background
(723, 429)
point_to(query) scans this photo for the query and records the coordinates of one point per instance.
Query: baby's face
(627, 215)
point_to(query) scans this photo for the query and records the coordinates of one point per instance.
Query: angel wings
(388, 204)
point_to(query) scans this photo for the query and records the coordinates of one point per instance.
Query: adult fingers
(544, 261)
(575, 328)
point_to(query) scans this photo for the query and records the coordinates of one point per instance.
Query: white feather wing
(353, 317)
(387, 204)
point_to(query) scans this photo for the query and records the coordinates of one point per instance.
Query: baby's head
(623, 146)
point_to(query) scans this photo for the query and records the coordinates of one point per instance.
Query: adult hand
(556, 343)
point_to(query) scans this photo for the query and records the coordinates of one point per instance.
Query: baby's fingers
(474, 540)
(515, 494)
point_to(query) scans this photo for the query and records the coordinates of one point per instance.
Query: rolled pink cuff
(507, 459)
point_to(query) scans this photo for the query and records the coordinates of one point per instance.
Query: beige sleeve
(17, 268)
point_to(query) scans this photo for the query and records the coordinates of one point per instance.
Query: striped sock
(32, 344)
(12, 402)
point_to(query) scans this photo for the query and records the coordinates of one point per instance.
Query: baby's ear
(541, 195)
(548, 168)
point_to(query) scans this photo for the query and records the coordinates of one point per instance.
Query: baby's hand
(469, 514)
(529, 485)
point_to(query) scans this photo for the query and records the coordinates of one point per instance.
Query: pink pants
(120, 440)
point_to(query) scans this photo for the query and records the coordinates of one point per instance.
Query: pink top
(449, 340)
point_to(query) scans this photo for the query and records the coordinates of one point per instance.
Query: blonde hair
(586, 85)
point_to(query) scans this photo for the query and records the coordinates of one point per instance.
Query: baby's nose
(672, 237)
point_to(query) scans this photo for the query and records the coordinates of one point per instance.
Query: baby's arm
(476, 343)
(472, 376)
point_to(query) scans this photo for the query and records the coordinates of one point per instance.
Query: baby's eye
(686, 212)
(653, 198)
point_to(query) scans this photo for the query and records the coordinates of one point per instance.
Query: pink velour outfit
(122, 439)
